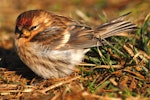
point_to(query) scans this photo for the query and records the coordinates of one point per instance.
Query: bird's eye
(33, 28)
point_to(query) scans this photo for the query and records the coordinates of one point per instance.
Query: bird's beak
(24, 33)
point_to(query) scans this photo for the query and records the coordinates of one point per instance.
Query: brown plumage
(51, 45)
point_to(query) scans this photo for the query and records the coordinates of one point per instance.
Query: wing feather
(77, 36)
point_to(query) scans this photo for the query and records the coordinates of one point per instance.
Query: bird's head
(29, 23)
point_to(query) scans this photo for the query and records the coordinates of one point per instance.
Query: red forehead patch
(23, 21)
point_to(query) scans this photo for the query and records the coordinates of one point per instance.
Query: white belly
(51, 63)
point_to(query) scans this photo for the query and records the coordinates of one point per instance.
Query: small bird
(51, 45)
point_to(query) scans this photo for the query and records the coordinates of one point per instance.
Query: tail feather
(114, 27)
(86, 37)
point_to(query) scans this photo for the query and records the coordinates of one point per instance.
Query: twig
(108, 66)
(134, 73)
(86, 64)
(102, 66)
(58, 84)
